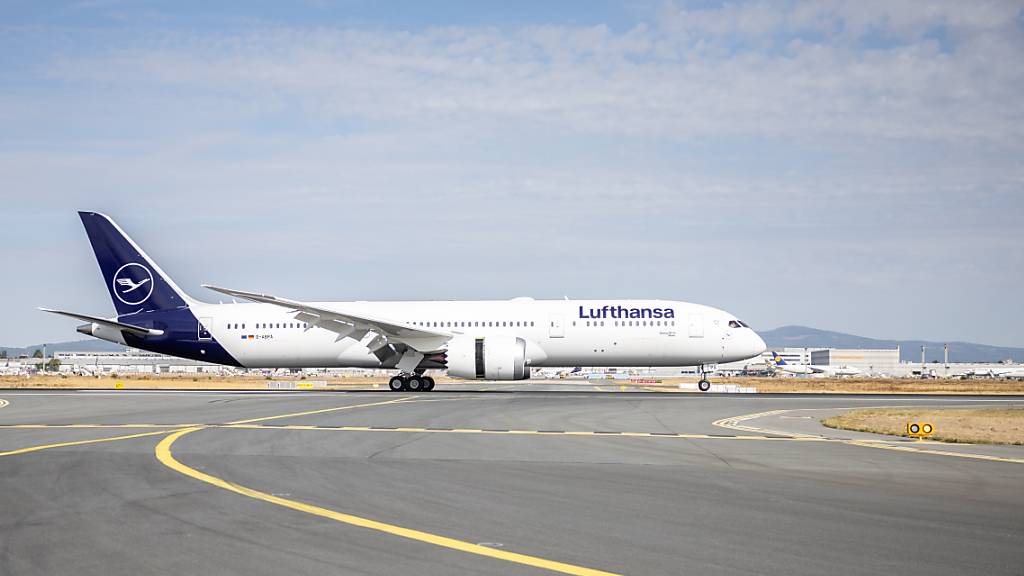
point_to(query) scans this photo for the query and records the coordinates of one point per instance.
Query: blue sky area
(854, 166)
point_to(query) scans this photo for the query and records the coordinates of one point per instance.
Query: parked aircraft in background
(778, 363)
(1010, 372)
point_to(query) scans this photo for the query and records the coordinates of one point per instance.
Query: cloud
(736, 154)
(745, 69)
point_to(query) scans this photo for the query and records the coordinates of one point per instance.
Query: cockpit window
(737, 324)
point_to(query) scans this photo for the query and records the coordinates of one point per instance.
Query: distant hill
(89, 345)
(910, 350)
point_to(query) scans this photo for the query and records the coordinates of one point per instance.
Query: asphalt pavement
(515, 480)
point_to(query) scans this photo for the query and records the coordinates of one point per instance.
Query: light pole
(945, 358)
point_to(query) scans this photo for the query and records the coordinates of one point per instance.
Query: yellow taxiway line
(733, 423)
(310, 412)
(165, 428)
(586, 433)
(80, 442)
(39, 426)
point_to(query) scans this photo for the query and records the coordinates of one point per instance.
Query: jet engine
(490, 358)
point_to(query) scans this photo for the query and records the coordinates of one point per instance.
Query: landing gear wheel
(415, 383)
(703, 385)
(397, 384)
(428, 383)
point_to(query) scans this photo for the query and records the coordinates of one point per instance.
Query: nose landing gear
(411, 383)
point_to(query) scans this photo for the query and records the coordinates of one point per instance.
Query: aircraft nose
(758, 345)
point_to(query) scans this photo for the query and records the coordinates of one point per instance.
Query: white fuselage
(557, 332)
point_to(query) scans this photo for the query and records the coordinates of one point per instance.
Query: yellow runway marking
(165, 456)
(80, 442)
(877, 444)
(307, 413)
(584, 433)
(38, 426)
(733, 423)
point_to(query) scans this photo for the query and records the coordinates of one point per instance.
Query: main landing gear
(704, 384)
(411, 383)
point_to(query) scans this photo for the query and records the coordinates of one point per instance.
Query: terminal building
(871, 362)
(868, 361)
(133, 361)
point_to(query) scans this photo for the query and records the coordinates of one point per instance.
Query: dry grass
(179, 382)
(783, 385)
(866, 385)
(971, 425)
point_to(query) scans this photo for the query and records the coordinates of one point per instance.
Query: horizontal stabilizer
(137, 330)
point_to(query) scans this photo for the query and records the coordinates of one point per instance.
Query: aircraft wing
(350, 324)
(137, 330)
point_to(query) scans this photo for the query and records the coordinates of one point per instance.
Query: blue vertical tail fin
(777, 359)
(135, 282)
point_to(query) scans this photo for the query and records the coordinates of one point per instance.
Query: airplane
(1010, 373)
(809, 369)
(492, 340)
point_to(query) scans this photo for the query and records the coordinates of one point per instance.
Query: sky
(850, 165)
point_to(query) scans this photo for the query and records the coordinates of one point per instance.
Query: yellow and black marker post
(920, 430)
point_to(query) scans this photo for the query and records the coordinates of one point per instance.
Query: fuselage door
(696, 325)
(556, 327)
(204, 328)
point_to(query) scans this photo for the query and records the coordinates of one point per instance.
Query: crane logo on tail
(133, 284)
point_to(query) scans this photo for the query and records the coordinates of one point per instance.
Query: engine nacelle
(491, 358)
